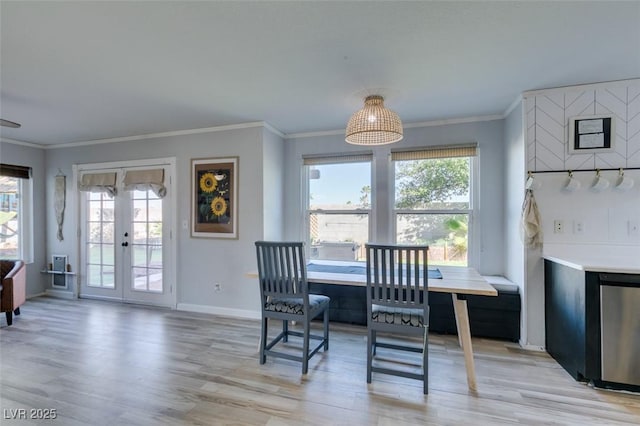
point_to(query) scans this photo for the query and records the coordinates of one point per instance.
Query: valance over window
(336, 159)
(143, 180)
(98, 182)
(11, 170)
(445, 151)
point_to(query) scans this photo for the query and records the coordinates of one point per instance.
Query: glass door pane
(99, 244)
(146, 242)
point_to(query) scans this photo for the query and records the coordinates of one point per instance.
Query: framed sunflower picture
(215, 197)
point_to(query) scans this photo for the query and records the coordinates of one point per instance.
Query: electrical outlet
(558, 226)
(217, 287)
(632, 228)
(578, 227)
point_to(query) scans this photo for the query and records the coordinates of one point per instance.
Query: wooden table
(458, 281)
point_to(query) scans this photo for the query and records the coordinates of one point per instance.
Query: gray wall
(488, 231)
(272, 185)
(513, 189)
(35, 158)
(200, 262)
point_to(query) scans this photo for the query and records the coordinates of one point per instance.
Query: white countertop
(596, 258)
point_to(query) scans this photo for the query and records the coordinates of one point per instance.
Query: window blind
(144, 180)
(12, 170)
(444, 151)
(98, 182)
(334, 159)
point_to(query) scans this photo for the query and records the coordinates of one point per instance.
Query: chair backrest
(282, 269)
(396, 275)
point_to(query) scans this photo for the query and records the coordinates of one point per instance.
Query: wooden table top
(455, 279)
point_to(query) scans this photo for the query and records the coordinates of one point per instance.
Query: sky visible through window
(339, 184)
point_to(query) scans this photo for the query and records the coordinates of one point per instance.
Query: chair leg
(373, 341)
(369, 353)
(305, 346)
(9, 316)
(263, 339)
(425, 363)
(16, 311)
(285, 330)
(326, 329)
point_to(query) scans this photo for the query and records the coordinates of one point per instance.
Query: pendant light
(374, 124)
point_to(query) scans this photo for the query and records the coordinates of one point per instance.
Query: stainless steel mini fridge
(620, 328)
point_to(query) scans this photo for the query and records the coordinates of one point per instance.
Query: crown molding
(444, 122)
(273, 129)
(160, 135)
(590, 86)
(406, 126)
(22, 143)
(517, 101)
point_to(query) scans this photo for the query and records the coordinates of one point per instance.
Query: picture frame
(214, 197)
(591, 134)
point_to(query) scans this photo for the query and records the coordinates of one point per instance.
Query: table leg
(464, 337)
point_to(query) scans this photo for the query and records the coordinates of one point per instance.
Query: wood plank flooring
(101, 363)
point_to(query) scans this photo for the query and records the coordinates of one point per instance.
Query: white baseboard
(59, 293)
(534, 348)
(31, 296)
(217, 310)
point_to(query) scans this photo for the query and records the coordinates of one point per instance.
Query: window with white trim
(16, 215)
(338, 212)
(433, 200)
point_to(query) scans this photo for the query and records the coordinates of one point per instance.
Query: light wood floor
(100, 363)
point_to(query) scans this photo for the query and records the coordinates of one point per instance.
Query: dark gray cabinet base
(572, 323)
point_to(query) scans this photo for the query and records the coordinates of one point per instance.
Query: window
(15, 213)
(339, 206)
(433, 201)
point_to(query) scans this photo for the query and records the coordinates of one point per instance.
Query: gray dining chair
(397, 304)
(284, 296)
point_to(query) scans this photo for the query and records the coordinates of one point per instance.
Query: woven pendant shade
(374, 124)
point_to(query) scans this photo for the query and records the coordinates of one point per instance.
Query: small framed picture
(591, 134)
(214, 203)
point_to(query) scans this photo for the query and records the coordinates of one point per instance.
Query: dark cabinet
(573, 322)
(572, 335)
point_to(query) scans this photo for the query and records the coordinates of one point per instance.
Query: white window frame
(26, 219)
(328, 160)
(473, 238)
(24, 197)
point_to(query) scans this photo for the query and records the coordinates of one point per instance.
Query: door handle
(125, 244)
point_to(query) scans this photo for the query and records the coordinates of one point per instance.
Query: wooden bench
(493, 317)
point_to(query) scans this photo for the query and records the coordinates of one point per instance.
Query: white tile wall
(548, 114)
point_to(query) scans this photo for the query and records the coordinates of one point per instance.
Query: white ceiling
(79, 71)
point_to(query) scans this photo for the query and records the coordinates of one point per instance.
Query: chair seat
(296, 305)
(401, 316)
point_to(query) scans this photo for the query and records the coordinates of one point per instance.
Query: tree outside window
(433, 205)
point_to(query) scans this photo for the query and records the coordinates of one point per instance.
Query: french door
(126, 246)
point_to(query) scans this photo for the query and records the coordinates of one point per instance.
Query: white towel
(530, 222)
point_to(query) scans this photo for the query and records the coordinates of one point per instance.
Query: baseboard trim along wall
(216, 310)
(62, 294)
